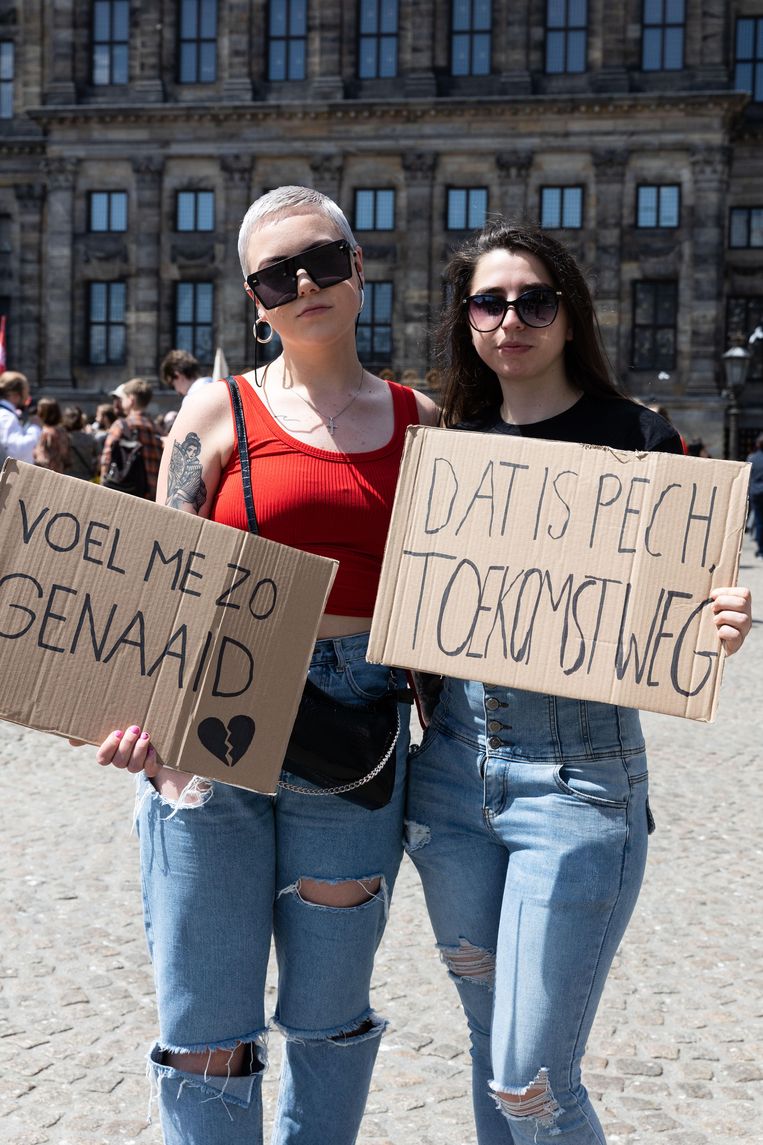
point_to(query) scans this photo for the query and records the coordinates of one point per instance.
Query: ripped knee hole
(469, 961)
(241, 1061)
(351, 892)
(536, 1102)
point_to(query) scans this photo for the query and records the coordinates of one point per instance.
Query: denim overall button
(494, 741)
(494, 726)
(491, 703)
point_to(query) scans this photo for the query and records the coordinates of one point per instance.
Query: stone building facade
(134, 134)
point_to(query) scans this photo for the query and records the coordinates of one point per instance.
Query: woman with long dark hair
(528, 813)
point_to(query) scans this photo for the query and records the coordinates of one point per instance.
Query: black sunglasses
(327, 264)
(536, 307)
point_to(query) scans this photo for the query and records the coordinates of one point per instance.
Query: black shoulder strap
(243, 452)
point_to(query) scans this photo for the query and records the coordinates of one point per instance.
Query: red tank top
(337, 505)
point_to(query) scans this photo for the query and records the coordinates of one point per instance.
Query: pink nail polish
(144, 736)
(118, 735)
(134, 729)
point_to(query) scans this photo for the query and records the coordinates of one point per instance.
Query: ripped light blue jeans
(219, 878)
(528, 822)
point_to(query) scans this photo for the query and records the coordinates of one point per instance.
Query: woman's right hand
(130, 749)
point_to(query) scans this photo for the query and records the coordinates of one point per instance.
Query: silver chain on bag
(347, 786)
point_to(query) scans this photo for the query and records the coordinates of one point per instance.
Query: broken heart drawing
(228, 744)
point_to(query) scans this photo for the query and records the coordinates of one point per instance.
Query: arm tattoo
(184, 480)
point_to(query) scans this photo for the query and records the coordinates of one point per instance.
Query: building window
(194, 302)
(662, 42)
(195, 211)
(7, 67)
(108, 210)
(470, 38)
(111, 36)
(377, 47)
(375, 323)
(561, 207)
(467, 208)
(198, 41)
(658, 205)
(287, 39)
(748, 72)
(566, 35)
(744, 315)
(374, 210)
(106, 323)
(746, 227)
(655, 311)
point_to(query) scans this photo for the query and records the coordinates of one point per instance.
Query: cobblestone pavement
(677, 1050)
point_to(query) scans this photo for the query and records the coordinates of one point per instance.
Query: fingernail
(150, 751)
(134, 729)
(118, 735)
(144, 736)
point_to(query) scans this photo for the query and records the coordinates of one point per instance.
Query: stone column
(707, 51)
(513, 168)
(143, 349)
(417, 282)
(58, 271)
(236, 310)
(60, 48)
(324, 50)
(28, 333)
(416, 49)
(327, 174)
(610, 166)
(710, 171)
(511, 47)
(235, 60)
(606, 46)
(146, 54)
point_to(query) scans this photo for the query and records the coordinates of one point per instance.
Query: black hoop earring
(257, 338)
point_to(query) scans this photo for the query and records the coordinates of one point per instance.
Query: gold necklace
(330, 419)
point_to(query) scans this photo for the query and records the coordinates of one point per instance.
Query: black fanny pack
(342, 749)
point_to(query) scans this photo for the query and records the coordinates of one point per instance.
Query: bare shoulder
(205, 422)
(429, 411)
(208, 404)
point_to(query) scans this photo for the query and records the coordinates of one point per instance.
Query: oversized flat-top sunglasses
(327, 264)
(536, 307)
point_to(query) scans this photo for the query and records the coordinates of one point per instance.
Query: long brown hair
(470, 387)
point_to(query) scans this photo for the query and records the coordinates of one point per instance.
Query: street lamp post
(736, 363)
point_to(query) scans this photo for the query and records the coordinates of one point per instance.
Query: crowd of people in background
(68, 440)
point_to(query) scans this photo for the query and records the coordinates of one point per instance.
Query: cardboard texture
(114, 610)
(554, 567)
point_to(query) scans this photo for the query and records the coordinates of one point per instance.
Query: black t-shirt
(616, 422)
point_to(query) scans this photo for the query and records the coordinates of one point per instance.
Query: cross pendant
(330, 426)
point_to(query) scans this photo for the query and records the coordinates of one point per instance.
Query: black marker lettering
(49, 615)
(222, 600)
(27, 530)
(603, 504)
(21, 607)
(432, 500)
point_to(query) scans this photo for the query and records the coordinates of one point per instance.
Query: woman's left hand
(732, 608)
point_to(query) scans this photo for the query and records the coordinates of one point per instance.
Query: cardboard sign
(562, 568)
(114, 610)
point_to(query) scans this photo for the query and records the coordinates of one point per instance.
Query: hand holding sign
(732, 612)
(130, 749)
(114, 606)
